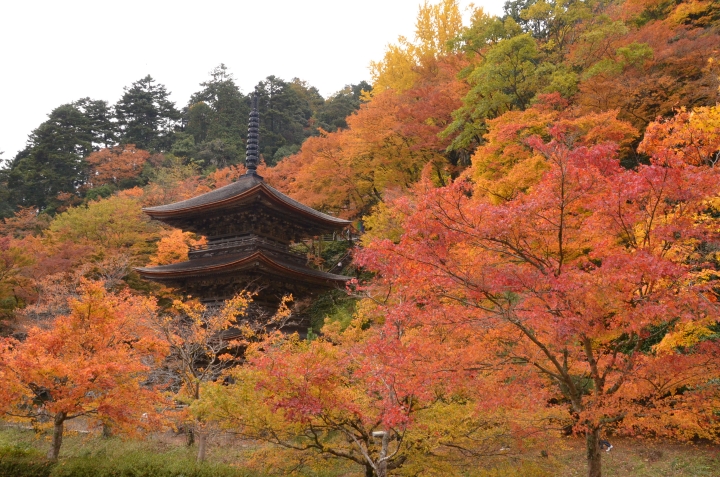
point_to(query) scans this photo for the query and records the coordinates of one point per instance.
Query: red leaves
(569, 279)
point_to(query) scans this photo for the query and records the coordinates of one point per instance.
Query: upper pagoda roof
(241, 192)
(247, 194)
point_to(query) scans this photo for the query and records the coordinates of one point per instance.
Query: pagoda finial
(251, 151)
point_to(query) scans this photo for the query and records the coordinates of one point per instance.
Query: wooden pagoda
(249, 227)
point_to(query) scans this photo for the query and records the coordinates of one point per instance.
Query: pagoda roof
(203, 267)
(241, 192)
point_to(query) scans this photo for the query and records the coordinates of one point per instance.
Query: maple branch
(658, 195)
(565, 377)
(597, 379)
(628, 367)
(323, 449)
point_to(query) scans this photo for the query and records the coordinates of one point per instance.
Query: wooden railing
(239, 242)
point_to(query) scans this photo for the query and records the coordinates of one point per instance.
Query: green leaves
(146, 116)
(508, 79)
(52, 163)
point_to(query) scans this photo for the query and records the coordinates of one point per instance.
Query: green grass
(644, 458)
(87, 455)
(165, 455)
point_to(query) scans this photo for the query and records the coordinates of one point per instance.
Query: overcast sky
(57, 51)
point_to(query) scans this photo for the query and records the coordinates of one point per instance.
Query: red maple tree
(570, 285)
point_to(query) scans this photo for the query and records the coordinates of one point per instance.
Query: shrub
(140, 464)
(21, 462)
(26, 462)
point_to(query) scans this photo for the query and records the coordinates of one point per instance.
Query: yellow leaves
(396, 70)
(518, 179)
(234, 307)
(111, 224)
(384, 222)
(684, 335)
(436, 25)
(699, 12)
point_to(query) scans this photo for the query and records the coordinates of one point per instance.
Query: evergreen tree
(216, 119)
(52, 162)
(6, 209)
(145, 115)
(285, 113)
(332, 113)
(101, 120)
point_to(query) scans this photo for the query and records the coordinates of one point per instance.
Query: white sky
(57, 51)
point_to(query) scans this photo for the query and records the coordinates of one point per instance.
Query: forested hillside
(67, 157)
(537, 200)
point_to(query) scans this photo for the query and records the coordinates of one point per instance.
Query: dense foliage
(539, 196)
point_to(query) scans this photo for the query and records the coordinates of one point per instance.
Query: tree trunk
(59, 422)
(592, 439)
(202, 446)
(382, 468)
(190, 437)
(369, 471)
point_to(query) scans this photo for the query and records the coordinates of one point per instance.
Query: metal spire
(251, 151)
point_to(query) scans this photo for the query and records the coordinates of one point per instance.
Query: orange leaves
(115, 164)
(222, 177)
(26, 221)
(507, 164)
(90, 362)
(688, 137)
(174, 246)
(389, 142)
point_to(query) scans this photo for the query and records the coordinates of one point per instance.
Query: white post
(382, 458)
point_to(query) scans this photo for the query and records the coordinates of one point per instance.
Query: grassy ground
(641, 458)
(628, 458)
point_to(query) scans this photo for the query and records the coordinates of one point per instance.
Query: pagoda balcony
(237, 244)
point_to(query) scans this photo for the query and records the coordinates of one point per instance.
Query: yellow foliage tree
(108, 226)
(399, 69)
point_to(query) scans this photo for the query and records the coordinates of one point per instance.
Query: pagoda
(249, 227)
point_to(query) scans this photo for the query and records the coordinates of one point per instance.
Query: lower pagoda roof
(238, 262)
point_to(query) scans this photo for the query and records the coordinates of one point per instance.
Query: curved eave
(219, 199)
(214, 266)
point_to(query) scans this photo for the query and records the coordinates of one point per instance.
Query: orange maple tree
(173, 247)
(112, 165)
(689, 136)
(370, 394)
(90, 363)
(387, 145)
